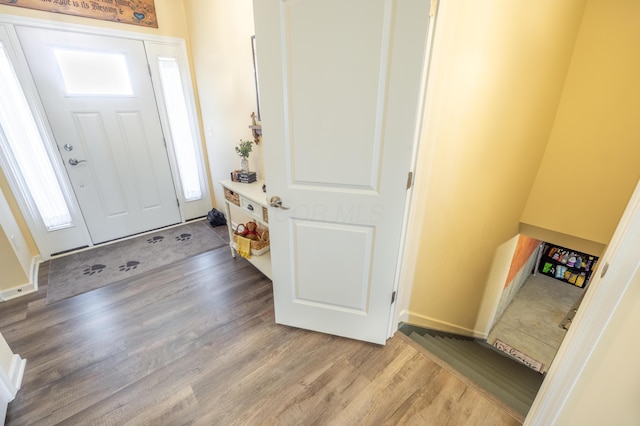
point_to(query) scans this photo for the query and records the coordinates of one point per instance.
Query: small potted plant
(243, 149)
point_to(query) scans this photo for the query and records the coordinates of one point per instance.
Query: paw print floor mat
(89, 269)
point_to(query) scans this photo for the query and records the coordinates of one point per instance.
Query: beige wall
(15, 256)
(592, 161)
(12, 273)
(497, 74)
(220, 33)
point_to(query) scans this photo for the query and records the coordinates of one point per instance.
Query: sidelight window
(180, 127)
(24, 150)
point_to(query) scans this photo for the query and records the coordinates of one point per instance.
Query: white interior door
(340, 83)
(98, 96)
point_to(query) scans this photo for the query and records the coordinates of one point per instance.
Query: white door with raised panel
(341, 84)
(100, 103)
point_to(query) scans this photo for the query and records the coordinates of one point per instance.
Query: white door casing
(125, 186)
(339, 107)
(48, 241)
(190, 208)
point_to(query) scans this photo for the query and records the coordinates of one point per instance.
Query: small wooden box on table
(252, 201)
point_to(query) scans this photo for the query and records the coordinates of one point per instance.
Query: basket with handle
(259, 245)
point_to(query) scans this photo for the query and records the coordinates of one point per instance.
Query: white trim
(10, 381)
(47, 241)
(34, 270)
(67, 26)
(16, 371)
(432, 323)
(24, 289)
(403, 316)
(403, 279)
(592, 318)
(178, 50)
(7, 390)
(15, 292)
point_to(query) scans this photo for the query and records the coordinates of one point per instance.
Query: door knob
(276, 202)
(75, 162)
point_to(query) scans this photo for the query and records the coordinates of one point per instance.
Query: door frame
(153, 44)
(407, 258)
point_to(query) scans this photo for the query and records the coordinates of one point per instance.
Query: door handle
(75, 162)
(276, 202)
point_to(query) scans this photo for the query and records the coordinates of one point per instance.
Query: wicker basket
(260, 245)
(232, 196)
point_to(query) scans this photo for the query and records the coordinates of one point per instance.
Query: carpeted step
(495, 368)
(491, 369)
(527, 378)
(526, 375)
(471, 359)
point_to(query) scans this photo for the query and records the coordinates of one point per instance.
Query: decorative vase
(244, 164)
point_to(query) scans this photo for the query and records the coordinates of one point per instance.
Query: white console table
(252, 201)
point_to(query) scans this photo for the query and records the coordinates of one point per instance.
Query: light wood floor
(196, 343)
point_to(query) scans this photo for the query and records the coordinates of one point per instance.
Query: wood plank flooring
(196, 343)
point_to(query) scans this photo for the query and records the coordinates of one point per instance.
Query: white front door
(98, 96)
(341, 84)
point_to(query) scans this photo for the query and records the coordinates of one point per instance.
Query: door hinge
(605, 268)
(149, 68)
(434, 6)
(178, 202)
(393, 297)
(409, 180)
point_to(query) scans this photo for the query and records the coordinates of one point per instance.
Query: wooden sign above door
(135, 12)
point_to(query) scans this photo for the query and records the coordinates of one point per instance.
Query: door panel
(317, 282)
(351, 103)
(122, 180)
(340, 83)
(95, 148)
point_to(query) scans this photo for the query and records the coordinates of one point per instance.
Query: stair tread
(468, 352)
(500, 364)
(518, 373)
(507, 396)
(455, 354)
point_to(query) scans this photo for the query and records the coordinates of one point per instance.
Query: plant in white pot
(243, 149)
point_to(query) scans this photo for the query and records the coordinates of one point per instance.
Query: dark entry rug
(88, 270)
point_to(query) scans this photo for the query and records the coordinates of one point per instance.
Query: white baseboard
(16, 371)
(30, 287)
(403, 316)
(18, 291)
(430, 323)
(34, 269)
(10, 381)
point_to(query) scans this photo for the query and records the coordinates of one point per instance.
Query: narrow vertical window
(181, 133)
(23, 145)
